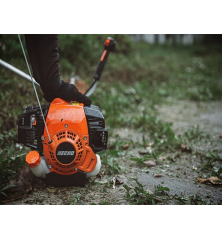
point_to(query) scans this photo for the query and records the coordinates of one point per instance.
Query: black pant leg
(44, 58)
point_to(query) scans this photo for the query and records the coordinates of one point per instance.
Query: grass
(132, 87)
(140, 196)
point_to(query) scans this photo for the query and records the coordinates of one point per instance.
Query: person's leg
(44, 57)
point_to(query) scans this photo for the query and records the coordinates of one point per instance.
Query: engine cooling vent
(94, 123)
(67, 134)
(29, 133)
(98, 134)
(61, 135)
(31, 137)
(72, 136)
(79, 144)
(52, 156)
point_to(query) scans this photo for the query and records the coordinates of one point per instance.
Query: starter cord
(34, 88)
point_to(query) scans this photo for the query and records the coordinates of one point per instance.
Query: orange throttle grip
(109, 46)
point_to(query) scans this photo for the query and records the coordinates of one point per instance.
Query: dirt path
(179, 176)
(182, 179)
(185, 114)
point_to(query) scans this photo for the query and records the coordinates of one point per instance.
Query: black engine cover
(98, 134)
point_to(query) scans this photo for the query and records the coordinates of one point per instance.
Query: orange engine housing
(69, 154)
(69, 151)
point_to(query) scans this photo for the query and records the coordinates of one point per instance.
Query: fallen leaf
(62, 189)
(23, 184)
(213, 180)
(149, 149)
(144, 152)
(29, 189)
(119, 180)
(52, 190)
(185, 148)
(57, 189)
(150, 144)
(158, 175)
(162, 158)
(14, 197)
(157, 199)
(126, 146)
(64, 198)
(202, 180)
(23, 180)
(101, 174)
(150, 163)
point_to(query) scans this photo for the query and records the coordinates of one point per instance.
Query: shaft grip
(108, 47)
(101, 65)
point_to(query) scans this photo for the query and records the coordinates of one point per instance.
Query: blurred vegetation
(137, 78)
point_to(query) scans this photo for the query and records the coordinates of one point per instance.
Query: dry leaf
(150, 163)
(162, 158)
(29, 189)
(119, 180)
(52, 190)
(14, 197)
(213, 180)
(157, 199)
(201, 180)
(62, 189)
(58, 189)
(23, 184)
(158, 175)
(23, 179)
(150, 144)
(149, 149)
(101, 174)
(185, 148)
(126, 146)
(144, 152)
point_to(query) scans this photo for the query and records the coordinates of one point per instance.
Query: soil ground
(179, 176)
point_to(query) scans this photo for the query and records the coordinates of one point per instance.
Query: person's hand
(65, 91)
